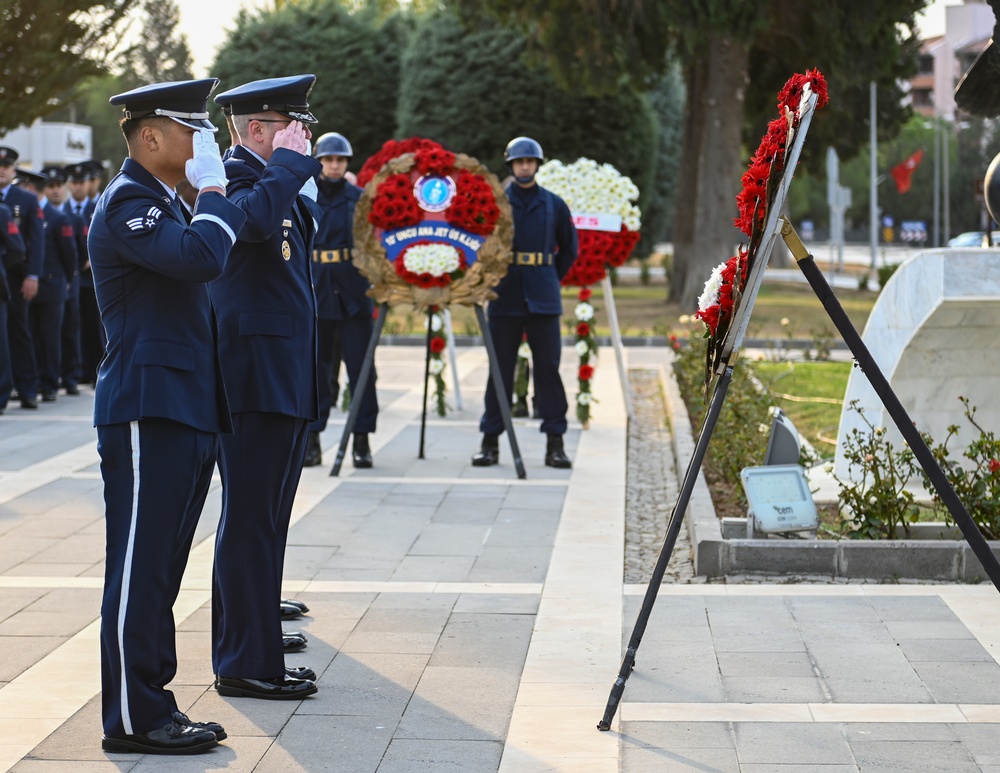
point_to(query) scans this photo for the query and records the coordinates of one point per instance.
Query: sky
(205, 22)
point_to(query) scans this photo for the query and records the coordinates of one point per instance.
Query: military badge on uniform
(145, 222)
(286, 251)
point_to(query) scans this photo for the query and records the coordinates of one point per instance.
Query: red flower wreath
(394, 205)
(474, 208)
(716, 305)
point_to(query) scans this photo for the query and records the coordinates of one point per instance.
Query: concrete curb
(715, 556)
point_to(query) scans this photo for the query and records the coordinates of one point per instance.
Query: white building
(44, 144)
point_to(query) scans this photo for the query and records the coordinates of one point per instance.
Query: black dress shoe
(296, 603)
(489, 452)
(48, 397)
(293, 641)
(27, 402)
(300, 672)
(280, 688)
(289, 611)
(362, 452)
(555, 455)
(314, 453)
(173, 738)
(183, 719)
(72, 389)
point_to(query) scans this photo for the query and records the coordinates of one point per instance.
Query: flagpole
(946, 143)
(873, 197)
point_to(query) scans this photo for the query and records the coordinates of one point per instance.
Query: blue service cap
(54, 175)
(183, 101)
(77, 172)
(8, 156)
(288, 96)
(27, 176)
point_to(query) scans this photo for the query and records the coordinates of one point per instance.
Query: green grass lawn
(812, 394)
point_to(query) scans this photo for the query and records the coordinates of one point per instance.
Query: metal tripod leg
(673, 529)
(501, 391)
(359, 389)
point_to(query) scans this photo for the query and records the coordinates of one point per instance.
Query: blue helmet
(333, 144)
(522, 147)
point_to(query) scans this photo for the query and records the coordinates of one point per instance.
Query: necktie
(78, 208)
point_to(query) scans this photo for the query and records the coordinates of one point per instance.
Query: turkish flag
(902, 173)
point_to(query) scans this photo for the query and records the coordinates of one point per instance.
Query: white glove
(205, 169)
(310, 190)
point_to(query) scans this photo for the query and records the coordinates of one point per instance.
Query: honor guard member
(11, 254)
(267, 326)
(529, 303)
(45, 312)
(345, 310)
(160, 402)
(70, 369)
(92, 338)
(22, 279)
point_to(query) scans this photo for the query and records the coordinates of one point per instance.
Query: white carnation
(589, 187)
(436, 366)
(582, 348)
(433, 259)
(584, 398)
(584, 312)
(524, 351)
(710, 295)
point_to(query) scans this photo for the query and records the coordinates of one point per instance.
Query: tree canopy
(354, 55)
(736, 56)
(472, 91)
(48, 48)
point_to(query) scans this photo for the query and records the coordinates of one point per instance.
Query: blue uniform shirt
(151, 271)
(340, 288)
(542, 225)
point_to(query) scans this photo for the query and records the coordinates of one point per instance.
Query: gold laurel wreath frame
(472, 288)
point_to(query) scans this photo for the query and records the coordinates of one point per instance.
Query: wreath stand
(725, 363)
(369, 363)
(616, 342)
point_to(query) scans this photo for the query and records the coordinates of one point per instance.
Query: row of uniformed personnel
(49, 322)
(213, 351)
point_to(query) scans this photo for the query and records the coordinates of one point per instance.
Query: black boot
(555, 456)
(314, 454)
(362, 452)
(489, 452)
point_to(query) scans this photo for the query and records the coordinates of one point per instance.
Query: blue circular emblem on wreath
(434, 192)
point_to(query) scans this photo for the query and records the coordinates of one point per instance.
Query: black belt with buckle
(332, 256)
(532, 259)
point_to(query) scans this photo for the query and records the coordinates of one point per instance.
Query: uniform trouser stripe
(127, 577)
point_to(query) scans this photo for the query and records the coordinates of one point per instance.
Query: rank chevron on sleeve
(146, 221)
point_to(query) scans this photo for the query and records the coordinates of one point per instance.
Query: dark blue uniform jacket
(340, 287)
(265, 299)
(542, 224)
(60, 263)
(151, 271)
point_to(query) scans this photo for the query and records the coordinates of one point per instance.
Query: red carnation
(994, 465)
(585, 294)
(583, 330)
(586, 372)
(437, 345)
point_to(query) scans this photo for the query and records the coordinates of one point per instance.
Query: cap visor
(196, 123)
(305, 117)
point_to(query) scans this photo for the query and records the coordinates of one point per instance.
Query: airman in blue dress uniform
(267, 325)
(160, 402)
(92, 337)
(23, 279)
(529, 302)
(71, 368)
(345, 311)
(45, 312)
(11, 253)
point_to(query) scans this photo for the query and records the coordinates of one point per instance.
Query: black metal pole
(673, 529)
(895, 408)
(427, 374)
(359, 389)
(501, 391)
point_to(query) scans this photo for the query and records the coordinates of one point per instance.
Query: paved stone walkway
(463, 620)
